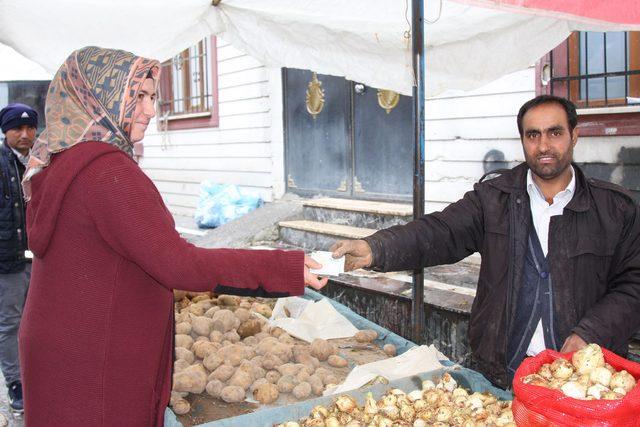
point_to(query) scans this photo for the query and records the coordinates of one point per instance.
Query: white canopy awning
(468, 43)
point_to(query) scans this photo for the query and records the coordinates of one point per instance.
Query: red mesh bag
(539, 406)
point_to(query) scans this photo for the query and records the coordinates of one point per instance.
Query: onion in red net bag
(535, 405)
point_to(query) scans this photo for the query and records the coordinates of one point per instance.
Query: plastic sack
(539, 406)
(221, 203)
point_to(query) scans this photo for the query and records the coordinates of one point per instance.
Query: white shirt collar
(532, 187)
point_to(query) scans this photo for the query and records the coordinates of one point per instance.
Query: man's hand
(573, 343)
(311, 279)
(357, 253)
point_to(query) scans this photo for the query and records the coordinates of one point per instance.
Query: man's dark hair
(568, 106)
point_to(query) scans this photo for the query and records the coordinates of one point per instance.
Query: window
(188, 88)
(600, 73)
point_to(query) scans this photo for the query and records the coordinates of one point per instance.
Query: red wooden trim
(620, 124)
(203, 122)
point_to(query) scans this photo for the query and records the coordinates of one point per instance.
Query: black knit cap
(15, 115)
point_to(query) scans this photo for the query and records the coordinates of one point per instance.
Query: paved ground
(4, 406)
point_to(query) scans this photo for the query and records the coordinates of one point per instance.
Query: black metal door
(383, 144)
(341, 142)
(317, 137)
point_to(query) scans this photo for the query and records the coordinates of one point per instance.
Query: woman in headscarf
(96, 339)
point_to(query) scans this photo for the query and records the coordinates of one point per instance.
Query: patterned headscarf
(91, 98)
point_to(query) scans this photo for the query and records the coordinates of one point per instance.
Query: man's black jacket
(594, 255)
(13, 234)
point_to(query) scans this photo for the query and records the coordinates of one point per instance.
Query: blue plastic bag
(221, 203)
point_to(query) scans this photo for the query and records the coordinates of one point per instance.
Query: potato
(180, 364)
(322, 349)
(302, 375)
(272, 346)
(198, 298)
(231, 336)
(183, 317)
(222, 373)
(249, 328)
(286, 383)
(262, 309)
(184, 354)
(389, 350)
(216, 336)
(262, 335)
(242, 314)
(330, 379)
(201, 339)
(286, 338)
(228, 300)
(196, 310)
(201, 325)
(317, 386)
(250, 341)
(202, 349)
(275, 331)
(232, 354)
(245, 304)
(271, 362)
(309, 361)
(337, 361)
(299, 351)
(212, 361)
(192, 379)
(366, 336)
(272, 376)
(191, 294)
(266, 393)
(232, 394)
(241, 379)
(210, 312)
(302, 390)
(183, 328)
(179, 295)
(257, 383)
(322, 372)
(184, 341)
(224, 321)
(180, 406)
(289, 369)
(214, 387)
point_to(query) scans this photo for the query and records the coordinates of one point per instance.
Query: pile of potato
(444, 404)
(586, 377)
(223, 349)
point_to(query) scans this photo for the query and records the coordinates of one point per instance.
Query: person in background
(18, 123)
(96, 341)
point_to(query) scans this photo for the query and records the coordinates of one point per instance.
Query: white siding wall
(462, 128)
(245, 149)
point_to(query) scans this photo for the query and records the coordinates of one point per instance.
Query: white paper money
(330, 266)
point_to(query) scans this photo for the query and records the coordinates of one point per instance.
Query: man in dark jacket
(18, 123)
(560, 251)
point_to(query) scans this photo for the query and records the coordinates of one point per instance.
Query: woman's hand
(311, 279)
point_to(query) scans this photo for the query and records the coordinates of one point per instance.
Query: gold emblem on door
(388, 99)
(315, 96)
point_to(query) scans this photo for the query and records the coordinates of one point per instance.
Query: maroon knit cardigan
(96, 339)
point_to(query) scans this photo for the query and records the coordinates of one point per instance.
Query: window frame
(205, 119)
(596, 119)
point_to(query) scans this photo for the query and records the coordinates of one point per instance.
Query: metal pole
(417, 38)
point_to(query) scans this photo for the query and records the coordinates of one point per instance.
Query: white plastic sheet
(308, 320)
(363, 40)
(412, 362)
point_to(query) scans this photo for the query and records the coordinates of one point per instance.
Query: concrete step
(313, 235)
(357, 213)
